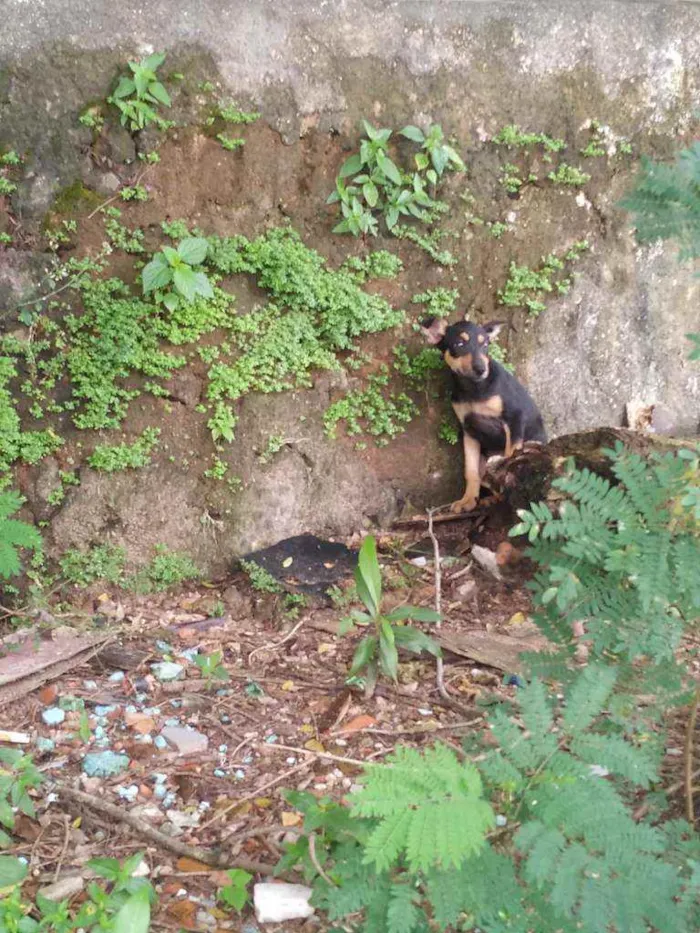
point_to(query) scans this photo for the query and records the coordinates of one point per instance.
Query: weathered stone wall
(473, 67)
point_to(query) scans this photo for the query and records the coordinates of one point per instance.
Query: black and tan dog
(496, 413)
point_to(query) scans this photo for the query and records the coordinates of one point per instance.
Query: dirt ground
(284, 718)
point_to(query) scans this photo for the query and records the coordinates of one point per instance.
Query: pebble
(223, 749)
(104, 710)
(117, 677)
(189, 654)
(104, 764)
(419, 561)
(169, 800)
(501, 820)
(160, 742)
(164, 647)
(239, 775)
(159, 791)
(89, 685)
(184, 740)
(53, 716)
(129, 793)
(167, 670)
(218, 772)
(173, 721)
(271, 739)
(44, 745)
(225, 718)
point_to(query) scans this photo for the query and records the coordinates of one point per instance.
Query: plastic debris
(167, 670)
(15, 738)
(53, 716)
(275, 903)
(184, 740)
(104, 764)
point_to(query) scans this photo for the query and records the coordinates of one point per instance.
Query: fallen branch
(328, 756)
(207, 856)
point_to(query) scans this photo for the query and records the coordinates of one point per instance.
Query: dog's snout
(479, 366)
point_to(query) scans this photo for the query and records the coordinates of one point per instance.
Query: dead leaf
(313, 745)
(263, 802)
(359, 722)
(184, 912)
(324, 647)
(289, 685)
(291, 818)
(191, 865)
(48, 694)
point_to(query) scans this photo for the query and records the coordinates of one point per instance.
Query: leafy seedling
(14, 535)
(434, 150)
(379, 651)
(170, 274)
(211, 667)
(235, 894)
(138, 95)
(18, 776)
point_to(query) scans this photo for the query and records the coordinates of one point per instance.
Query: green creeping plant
(170, 274)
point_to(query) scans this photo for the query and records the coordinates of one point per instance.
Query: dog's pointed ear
(493, 328)
(434, 329)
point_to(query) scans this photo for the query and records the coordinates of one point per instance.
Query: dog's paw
(465, 504)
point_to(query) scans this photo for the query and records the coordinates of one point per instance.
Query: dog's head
(464, 345)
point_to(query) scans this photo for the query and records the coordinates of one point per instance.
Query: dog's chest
(487, 407)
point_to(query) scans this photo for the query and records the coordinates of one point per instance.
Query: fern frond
(617, 756)
(587, 697)
(429, 805)
(403, 915)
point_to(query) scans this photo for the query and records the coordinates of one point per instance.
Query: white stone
(275, 903)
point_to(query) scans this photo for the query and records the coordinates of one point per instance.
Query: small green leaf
(171, 301)
(369, 189)
(108, 868)
(368, 570)
(158, 91)
(412, 639)
(193, 250)
(350, 166)
(416, 613)
(135, 915)
(389, 169)
(388, 655)
(12, 871)
(413, 133)
(186, 283)
(157, 274)
(364, 653)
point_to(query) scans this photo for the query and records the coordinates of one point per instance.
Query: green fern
(14, 535)
(429, 806)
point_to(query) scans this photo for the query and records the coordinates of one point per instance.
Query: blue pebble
(53, 716)
(239, 775)
(173, 721)
(44, 745)
(271, 739)
(218, 772)
(169, 800)
(104, 710)
(225, 718)
(160, 742)
(104, 764)
(89, 685)
(117, 677)
(223, 749)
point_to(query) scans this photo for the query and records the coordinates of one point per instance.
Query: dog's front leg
(472, 457)
(514, 435)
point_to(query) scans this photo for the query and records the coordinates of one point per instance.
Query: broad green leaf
(154, 61)
(342, 227)
(413, 133)
(135, 915)
(412, 639)
(236, 894)
(332, 197)
(171, 301)
(193, 250)
(454, 157)
(125, 88)
(350, 166)
(12, 871)
(158, 91)
(346, 625)
(392, 216)
(157, 274)
(6, 841)
(389, 169)
(364, 653)
(185, 282)
(431, 175)
(7, 815)
(203, 285)
(172, 256)
(371, 132)
(368, 568)
(439, 159)
(388, 655)
(108, 868)
(422, 161)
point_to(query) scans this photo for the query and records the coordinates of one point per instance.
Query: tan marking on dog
(459, 364)
(481, 338)
(489, 407)
(472, 456)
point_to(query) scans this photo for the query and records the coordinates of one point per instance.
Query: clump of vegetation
(274, 444)
(378, 185)
(130, 241)
(371, 411)
(513, 137)
(8, 161)
(217, 470)
(379, 651)
(139, 95)
(15, 535)
(166, 569)
(102, 562)
(569, 175)
(428, 242)
(119, 902)
(497, 229)
(229, 143)
(527, 287)
(379, 264)
(230, 113)
(439, 302)
(448, 430)
(18, 777)
(111, 459)
(510, 178)
(419, 367)
(172, 274)
(133, 193)
(260, 579)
